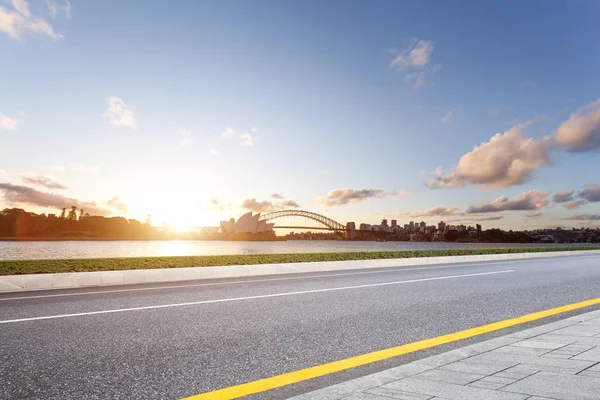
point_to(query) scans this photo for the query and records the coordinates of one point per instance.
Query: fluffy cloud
(581, 132)
(564, 196)
(289, 204)
(439, 211)
(119, 114)
(277, 196)
(7, 123)
(55, 8)
(531, 200)
(19, 21)
(268, 206)
(339, 197)
(573, 204)
(42, 181)
(591, 193)
(507, 159)
(412, 61)
(246, 138)
(582, 217)
(24, 195)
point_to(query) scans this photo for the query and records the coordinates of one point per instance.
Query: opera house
(247, 223)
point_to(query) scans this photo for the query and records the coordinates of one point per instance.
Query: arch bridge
(293, 219)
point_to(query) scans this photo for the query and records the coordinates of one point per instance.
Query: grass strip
(19, 267)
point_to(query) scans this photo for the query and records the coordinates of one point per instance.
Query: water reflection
(90, 249)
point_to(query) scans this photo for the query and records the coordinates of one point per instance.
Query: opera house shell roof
(247, 223)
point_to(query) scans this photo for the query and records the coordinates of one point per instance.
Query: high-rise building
(350, 230)
(394, 223)
(441, 226)
(422, 224)
(384, 222)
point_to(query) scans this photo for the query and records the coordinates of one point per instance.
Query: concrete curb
(16, 283)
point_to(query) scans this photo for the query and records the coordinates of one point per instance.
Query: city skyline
(353, 111)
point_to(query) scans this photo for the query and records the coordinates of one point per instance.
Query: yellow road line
(289, 378)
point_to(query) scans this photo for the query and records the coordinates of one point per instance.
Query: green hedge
(18, 267)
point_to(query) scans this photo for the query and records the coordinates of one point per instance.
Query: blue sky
(346, 108)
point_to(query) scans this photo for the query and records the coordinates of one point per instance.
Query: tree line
(72, 223)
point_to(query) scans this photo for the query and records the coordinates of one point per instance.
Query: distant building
(247, 223)
(442, 226)
(350, 230)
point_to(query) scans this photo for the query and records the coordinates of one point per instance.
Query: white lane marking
(378, 271)
(254, 297)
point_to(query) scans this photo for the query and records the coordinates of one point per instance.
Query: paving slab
(451, 391)
(558, 386)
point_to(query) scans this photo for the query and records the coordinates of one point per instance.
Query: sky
(197, 111)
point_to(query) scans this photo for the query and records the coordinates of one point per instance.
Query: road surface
(175, 340)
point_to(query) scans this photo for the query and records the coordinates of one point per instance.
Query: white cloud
(229, 132)
(213, 152)
(581, 132)
(19, 21)
(528, 201)
(185, 137)
(119, 114)
(246, 138)
(339, 197)
(439, 211)
(55, 8)
(417, 55)
(402, 193)
(22, 7)
(413, 60)
(268, 206)
(7, 123)
(507, 159)
(3, 172)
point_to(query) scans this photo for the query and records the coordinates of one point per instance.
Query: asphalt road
(193, 337)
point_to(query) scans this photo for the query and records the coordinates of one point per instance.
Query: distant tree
(63, 213)
(148, 220)
(81, 214)
(72, 214)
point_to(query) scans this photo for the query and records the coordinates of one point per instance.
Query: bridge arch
(323, 220)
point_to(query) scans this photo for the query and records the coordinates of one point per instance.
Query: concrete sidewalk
(556, 361)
